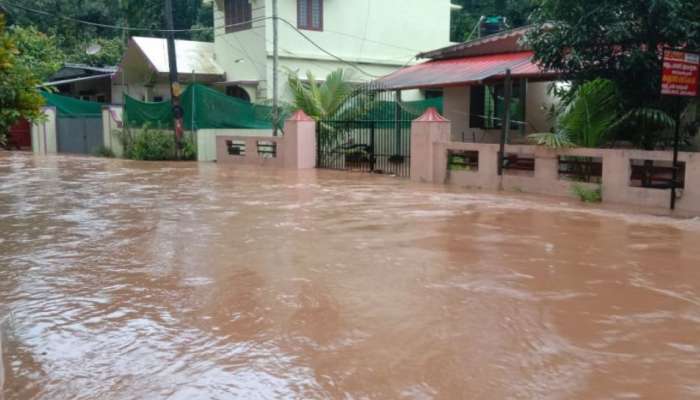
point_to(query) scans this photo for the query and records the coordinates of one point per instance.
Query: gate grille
(372, 133)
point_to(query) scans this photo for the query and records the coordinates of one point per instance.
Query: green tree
(73, 38)
(464, 22)
(110, 53)
(38, 50)
(619, 40)
(18, 95)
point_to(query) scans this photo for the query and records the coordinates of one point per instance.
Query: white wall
(140, 92)
(112, 120)
(380, 35)
(44, 139)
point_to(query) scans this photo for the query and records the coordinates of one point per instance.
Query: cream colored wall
(381, 36)
(44, 140)
(537, 103)
(206, 140)
(112, 119)
(456, 109)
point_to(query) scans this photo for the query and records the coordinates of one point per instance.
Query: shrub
(152, 145)
(588, 195)
(105, 152)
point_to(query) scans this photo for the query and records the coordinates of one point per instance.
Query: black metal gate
(371, 133)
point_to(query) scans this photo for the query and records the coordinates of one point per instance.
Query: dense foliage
(464, 22)
(619, 40)
(18, 95)
(149, 144)
(73, 38)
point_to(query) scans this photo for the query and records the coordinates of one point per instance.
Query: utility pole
(174, 85)
(275, 66)
(505, 121)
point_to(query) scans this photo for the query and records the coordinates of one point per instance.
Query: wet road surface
(128, 280)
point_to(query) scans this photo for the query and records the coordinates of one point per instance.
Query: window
(267, 149)
(458, 160)
(655, 174)
(519, 164)
(236, 147)
(238, 15)
(238, 92)
(310, 14)
(486, 106)
(581, 169)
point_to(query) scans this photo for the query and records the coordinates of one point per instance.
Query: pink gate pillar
(300, 141)
(428, 162)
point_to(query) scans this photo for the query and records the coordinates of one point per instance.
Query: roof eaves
(445, 51)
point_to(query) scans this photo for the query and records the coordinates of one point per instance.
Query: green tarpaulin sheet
(69, 107)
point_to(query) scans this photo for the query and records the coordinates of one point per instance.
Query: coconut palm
(322, 100)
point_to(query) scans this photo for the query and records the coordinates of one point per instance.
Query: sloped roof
(503, 42)
(464, 71)
(192, 57)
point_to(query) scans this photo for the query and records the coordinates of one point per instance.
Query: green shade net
(204, 108)
(385, 112)
(68, 107)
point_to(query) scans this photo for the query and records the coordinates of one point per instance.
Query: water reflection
(177, 281)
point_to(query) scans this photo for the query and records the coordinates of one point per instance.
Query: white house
(372, 37)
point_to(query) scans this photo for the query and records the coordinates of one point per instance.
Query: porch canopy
(463, 71)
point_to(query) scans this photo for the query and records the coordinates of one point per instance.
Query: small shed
(144, 70)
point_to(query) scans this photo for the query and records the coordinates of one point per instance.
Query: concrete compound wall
(295, 150)
(206, 140)
(430, 154)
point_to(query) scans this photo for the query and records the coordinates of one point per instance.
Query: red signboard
(680, 73)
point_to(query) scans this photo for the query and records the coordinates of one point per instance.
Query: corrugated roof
(502, 42)
(197, 57)
(466, 70)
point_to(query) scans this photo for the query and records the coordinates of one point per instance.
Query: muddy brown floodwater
(127, 280)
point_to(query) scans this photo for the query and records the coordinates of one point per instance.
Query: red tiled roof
(466, 70)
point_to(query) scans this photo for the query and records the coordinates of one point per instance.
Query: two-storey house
(371, 37)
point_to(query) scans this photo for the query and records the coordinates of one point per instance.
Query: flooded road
(128, 280)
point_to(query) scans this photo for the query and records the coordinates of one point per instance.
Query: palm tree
(323, 100)
(592, 113)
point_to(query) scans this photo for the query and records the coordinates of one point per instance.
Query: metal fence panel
(79, 135)
(372, 133)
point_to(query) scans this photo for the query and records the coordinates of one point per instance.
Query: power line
(6, 4)
(351, 64)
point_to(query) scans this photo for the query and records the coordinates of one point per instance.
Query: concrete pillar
(111, 123)
(546, 164)
(300, 142)
(429, 133)
(44, 133)
(616, 175)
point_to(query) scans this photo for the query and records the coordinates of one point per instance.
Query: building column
(429, 133)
